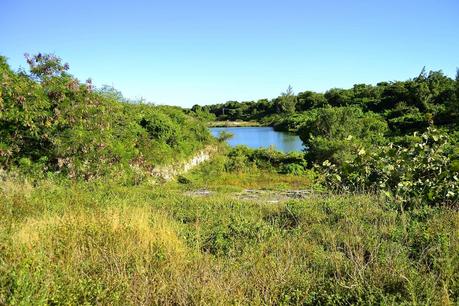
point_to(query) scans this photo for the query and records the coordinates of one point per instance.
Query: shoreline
(234, 124)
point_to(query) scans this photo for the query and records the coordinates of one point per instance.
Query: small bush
(183, 179)
(224, 136)
(243, 158)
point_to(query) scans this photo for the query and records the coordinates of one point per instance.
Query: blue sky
(202, 52)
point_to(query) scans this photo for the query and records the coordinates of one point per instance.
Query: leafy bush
(335, 133)
(424, 171)
(183, 179)
(242, 158)
(295, 169)
(224, 136)
(293, 122)
(408, 119)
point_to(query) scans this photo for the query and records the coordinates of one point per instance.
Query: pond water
(261, 137)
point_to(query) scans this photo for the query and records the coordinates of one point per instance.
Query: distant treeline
(407, 106)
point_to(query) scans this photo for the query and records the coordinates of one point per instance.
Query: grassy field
(99, 242)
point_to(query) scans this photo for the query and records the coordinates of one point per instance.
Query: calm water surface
(261, 137)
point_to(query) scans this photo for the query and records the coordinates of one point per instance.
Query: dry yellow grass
(134, 228)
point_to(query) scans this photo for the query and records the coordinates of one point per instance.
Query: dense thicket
(407, 106)
(51, 121)
(335, 133)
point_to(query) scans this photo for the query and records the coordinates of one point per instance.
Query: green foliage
(293, 168)
(424, 171)
(403, 119)
(293, 122)
(49, 115)
(334, 133)
(243, 158)
(202, 113)
(287, 101)
(224, 136)
(408, 106)
(337, 97)
(46, 66)
(310, 100)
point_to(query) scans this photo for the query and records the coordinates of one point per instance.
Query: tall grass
(95, 243)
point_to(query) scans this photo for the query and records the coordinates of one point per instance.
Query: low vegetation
(99, 243)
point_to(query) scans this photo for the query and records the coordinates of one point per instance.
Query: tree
(453, 109)
(43, 66)
(457, 88)
(308, 100)
(339, 97)
(288, 101)
(50, 121)
(112, 93)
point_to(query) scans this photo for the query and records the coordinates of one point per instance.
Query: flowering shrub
(51, 121)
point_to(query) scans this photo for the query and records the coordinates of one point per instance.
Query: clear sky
(202, 52)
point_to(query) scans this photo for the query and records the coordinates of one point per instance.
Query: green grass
(211, 175)
(102, 243)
